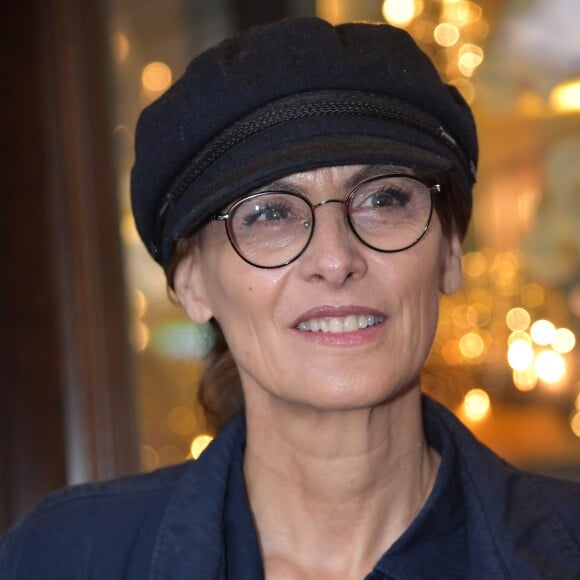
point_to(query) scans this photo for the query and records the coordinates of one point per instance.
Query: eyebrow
(370, 171)
(367, 172)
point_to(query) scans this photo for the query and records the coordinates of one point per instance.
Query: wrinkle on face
(256, 307)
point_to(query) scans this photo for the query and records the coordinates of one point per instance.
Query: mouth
(340, 324)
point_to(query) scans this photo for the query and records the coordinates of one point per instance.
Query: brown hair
(220, 391)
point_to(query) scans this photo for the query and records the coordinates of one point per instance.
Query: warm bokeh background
(504, 358)
(100, 366)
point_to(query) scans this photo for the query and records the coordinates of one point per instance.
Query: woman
(306, 187)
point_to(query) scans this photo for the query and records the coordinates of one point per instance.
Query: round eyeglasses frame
(431, 183)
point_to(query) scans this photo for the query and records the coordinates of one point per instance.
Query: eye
(384, 197)
(274, 211)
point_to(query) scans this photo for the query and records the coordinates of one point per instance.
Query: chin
(334, 396)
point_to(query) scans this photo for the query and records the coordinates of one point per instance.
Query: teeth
(339, 324)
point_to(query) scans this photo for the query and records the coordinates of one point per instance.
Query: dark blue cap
(286, 97)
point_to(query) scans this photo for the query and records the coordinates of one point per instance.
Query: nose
(334, 255)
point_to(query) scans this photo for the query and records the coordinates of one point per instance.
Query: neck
(320, 481)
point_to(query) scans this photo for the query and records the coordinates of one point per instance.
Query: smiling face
(342, 327)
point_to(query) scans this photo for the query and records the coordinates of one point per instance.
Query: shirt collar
(243, 558)
(190, 543)
(437, 538)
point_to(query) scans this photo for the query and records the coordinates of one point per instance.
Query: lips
(340, 324)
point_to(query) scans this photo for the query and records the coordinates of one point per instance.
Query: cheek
(419, 302)
(242, 298)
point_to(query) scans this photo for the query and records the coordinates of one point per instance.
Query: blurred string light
(401, 12)
(199, 444)
(470, 57)
(575, 423)
(525, 380)
(520, 354)
(542, 332)
(446, 34)
(450, 31)
(474, 264)
(156, 77)
(121, 47)
(476, 404)
(565, 97)
(532, 295)
(182, 421)
(518, 319)
(471, 345)
(149, 458)
(141, 334)
(575, 417)
(462, 13)
(494, 319)
(537, 355)
(563, 340)
(550, 367)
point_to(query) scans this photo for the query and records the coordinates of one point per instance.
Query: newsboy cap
(291, 96)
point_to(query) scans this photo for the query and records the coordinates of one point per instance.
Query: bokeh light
(575, 423)
(149, 458)
(565, 97)
(199, 444)
(504, 269)
(181, 420)
(518, 319)
(401, 12)
(141, 336)
(542, 332)
(471, 345)
(550, 366)
(525, 380)
(446, 34)
(140, 303)
(121, 47)
(461, 13)
(476, 404)
(520, 355)
(470, 57)
(156, 77)
(563, 340)
(533, 295)
(478, 314)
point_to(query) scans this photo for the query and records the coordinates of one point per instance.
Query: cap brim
(257, 162)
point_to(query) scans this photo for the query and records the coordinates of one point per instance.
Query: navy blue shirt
(483, 519)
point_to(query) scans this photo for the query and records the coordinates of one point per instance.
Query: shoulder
(484, 466)
(530, 521)
(562, 496)
(74, 526)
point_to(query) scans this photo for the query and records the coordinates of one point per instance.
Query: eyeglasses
(271, 229)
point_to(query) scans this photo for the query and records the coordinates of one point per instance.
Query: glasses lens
(390, 213)
(270, 229)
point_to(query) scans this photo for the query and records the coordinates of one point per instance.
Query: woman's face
(267, 316)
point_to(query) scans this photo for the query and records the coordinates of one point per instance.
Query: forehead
(343, 176)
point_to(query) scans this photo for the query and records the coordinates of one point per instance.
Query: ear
(451, 269)
(190, 289)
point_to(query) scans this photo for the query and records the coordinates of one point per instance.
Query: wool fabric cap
(286, 97)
